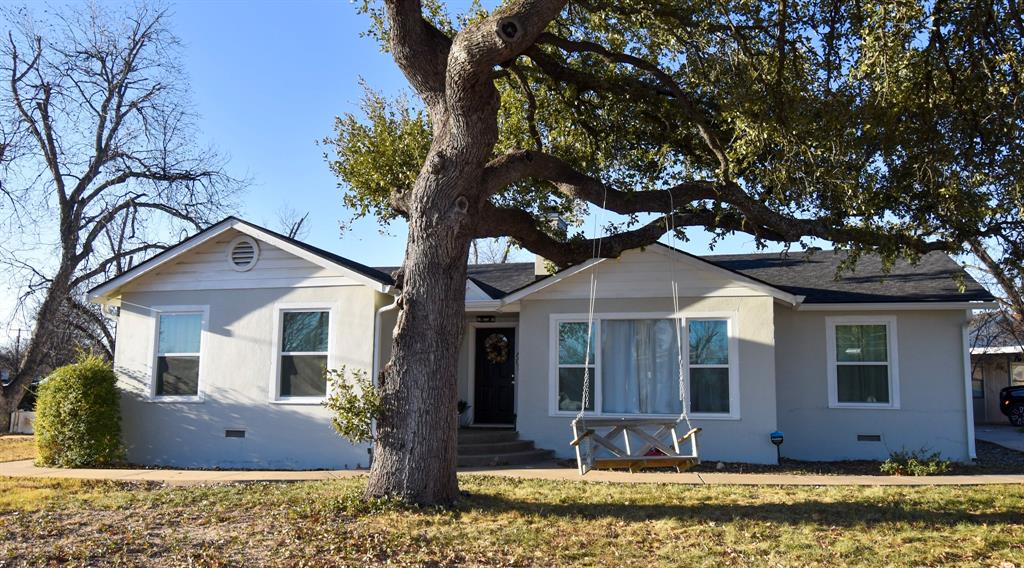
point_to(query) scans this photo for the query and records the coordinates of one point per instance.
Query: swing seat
(633, 444)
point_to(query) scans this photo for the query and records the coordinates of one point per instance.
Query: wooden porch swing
(646, 443)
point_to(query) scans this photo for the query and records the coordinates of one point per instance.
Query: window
(572, 364)
(639, 366)
(1017, 374)
(634, 365)
(977, 388)
(179, 341)
(303, 354)
(862, 355)
(709, 365)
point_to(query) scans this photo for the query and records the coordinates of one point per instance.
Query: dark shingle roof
(809, 274)
(496, 280)
(813, 274)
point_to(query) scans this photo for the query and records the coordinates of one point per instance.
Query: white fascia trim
(550, 280)
(98, 295)
(996, 350)
(243, 227)
(701, 264)
(696, 262)
(894, 306)
(483, 306)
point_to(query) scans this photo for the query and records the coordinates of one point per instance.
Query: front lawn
(15, 447)
(509, 522)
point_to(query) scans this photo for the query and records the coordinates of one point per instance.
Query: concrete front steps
(486, 447)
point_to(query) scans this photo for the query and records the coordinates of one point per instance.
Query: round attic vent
(243, 252)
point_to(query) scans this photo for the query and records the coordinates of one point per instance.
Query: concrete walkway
(1005, 435)
(551, 472)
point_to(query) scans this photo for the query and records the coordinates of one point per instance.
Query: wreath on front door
(496, 348)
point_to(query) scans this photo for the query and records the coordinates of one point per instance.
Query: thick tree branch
(527, 164)
(689, 107)
(419, 48)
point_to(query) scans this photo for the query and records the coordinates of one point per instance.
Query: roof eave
(909, 305)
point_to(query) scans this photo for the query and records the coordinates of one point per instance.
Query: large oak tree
(888, 126)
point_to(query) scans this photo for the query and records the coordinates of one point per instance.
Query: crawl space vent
(243, 253)
(234, 433)
(869, 437)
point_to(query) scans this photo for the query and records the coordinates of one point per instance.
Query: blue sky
(268, 78)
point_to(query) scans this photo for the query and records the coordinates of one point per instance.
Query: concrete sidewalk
(551, 472)
(1005, 435)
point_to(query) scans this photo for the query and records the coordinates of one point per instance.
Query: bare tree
(491, 251)
(292, 224)
(109, 171)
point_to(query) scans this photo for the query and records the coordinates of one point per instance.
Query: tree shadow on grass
(824, 513)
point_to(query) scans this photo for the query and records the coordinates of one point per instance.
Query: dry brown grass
(15, 447)
(509, 522)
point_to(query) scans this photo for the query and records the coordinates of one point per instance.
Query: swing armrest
(692, 432)
(581, 437)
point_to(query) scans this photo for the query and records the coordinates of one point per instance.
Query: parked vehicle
(1011, 402)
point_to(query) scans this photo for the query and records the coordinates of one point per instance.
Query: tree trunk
(8, 404)
(414, 455)
(414, 452)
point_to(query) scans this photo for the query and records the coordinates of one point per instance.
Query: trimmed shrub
(919, 462)
(78, 416)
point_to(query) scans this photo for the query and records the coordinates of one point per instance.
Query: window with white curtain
(639, 366)
(179, 339)
(634, 365)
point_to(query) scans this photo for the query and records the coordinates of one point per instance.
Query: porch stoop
(484, 447)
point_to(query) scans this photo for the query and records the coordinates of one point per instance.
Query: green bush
(78, 416)
(354, 404)
(918, 462)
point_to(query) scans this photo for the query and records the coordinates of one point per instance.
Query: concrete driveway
(1005, 435)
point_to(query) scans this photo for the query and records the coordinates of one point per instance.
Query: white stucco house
(221, 340)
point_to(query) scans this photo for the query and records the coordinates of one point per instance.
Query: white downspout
(377, 338)
(968, 391)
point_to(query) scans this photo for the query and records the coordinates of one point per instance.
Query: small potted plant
(463, 407)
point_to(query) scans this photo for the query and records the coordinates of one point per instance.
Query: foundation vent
(234, 433)
(869, 437)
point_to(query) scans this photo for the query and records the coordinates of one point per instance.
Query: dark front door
(494, 396)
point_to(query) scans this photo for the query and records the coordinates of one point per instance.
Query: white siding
(207, 268)
(648, 274)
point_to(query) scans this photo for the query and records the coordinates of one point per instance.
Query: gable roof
(807, 275)
(360, 272)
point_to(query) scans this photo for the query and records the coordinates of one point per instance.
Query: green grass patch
(15, 447)
(509, 522)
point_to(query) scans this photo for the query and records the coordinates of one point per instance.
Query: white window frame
(732, 327)
(157, 312)
(893, 361)
(275, 365)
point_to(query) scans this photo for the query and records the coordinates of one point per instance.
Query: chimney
(558, 230)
